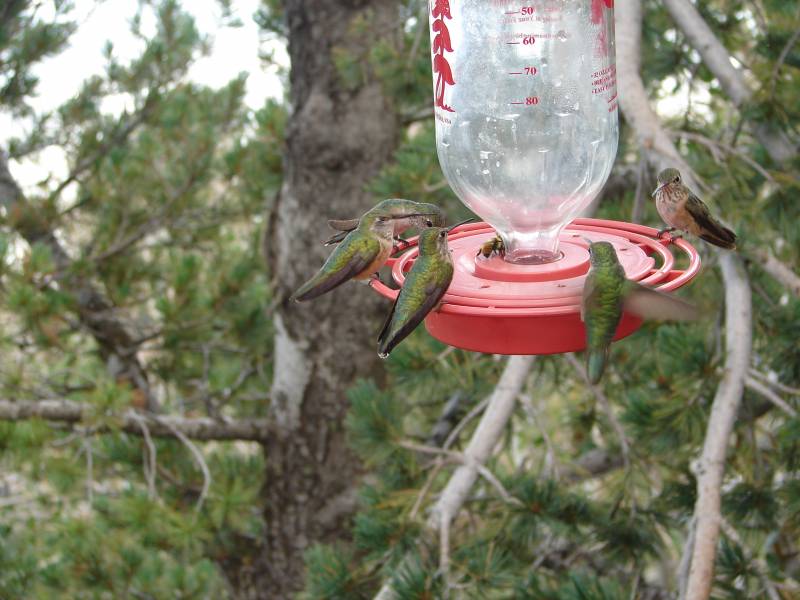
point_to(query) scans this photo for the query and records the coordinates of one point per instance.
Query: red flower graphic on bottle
(597, 9)
(601, 48)
(441, 44)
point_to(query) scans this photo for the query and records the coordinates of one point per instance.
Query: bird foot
(668, 232)
(400, 245)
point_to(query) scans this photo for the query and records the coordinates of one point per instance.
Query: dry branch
(484, 439)
(633, 99)
(718, 60)
(711, 466)
(776, 269)
(765, 392)
(67, 411)
(703, 536)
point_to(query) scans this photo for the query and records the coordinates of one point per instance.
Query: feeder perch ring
(502, 308)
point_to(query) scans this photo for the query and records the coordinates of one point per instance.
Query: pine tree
(148, 449)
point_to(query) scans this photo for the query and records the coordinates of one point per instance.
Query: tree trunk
(338, 138)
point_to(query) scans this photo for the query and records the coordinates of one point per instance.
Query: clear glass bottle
(526, 112)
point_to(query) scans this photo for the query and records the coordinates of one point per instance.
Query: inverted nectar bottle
(525, 102)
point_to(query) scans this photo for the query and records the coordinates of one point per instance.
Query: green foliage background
(167, 220)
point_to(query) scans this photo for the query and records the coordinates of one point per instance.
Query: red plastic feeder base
(501, 308)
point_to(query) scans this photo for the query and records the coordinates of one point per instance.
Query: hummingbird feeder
(525, 105)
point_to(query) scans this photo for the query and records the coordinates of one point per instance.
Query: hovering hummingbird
(422, 291)
(362, 252)
(606, 293)
(681, 209)
(406, 214)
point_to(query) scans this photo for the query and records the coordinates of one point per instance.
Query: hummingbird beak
(658, 189)
(449, 229)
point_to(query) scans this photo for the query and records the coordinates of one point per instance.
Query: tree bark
(339, 136)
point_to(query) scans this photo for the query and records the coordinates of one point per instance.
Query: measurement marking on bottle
(513, 43)
(512, 12)
(529, 101)
(527, 71)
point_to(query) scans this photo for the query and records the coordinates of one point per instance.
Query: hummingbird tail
(595, 364)
(720, 236)
(312, 289)
(385, 346)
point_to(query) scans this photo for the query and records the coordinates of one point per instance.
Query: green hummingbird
(422, 291)
(406, 214)
(362, 252)
(606, 293)
(681, 209)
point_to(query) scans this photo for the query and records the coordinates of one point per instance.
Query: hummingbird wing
(421, 292)
(336, 238)
(708, 228)
(648, 303)
(589, 289)
(350, 258)
(343, 224)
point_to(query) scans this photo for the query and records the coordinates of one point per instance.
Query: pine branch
(95, 311)
(67, 411)
(119, 136)
(484, 439)
(601, 398)
(761, 567)
(711, 465)
(718, 60)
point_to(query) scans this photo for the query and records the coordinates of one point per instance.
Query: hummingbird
(422, 291)
(606, 293)
(681, 209)
(362, 252)
(406, 214)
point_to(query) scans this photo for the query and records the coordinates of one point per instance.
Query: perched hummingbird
(406, 214)
(606, 293)
(681, 209)
(425, 284)
(362, 252)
